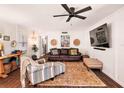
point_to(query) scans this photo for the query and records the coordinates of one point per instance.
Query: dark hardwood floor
(107, 80)
(13, 80)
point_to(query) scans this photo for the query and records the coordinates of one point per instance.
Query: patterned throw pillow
(55, 51)
(73, 51)
(64, 51)
(41, 61)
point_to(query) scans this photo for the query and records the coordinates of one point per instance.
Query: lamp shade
(1, 46)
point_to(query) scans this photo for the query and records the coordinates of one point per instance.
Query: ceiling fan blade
(68, 19)
(83, 10)
(81, 17)
(66, 8)
(61, 15)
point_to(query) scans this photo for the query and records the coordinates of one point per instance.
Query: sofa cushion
(73, 51)
(54, 57)
(64, 51)
(54, 51)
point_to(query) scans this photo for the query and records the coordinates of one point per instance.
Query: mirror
(13, 43)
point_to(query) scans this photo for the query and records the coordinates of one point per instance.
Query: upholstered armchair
(49, 70)
(39, 70)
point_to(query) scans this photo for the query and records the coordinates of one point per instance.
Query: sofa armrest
(49, 53)
(79, 54)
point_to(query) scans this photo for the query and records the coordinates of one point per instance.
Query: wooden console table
(2, 70)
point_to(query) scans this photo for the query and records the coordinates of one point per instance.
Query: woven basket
(7, 68)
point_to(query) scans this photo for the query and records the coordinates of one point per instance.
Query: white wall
(79, 34)
(12, 30)
(9, 30)
(112, 58)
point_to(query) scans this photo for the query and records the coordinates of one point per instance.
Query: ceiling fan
(72, 13)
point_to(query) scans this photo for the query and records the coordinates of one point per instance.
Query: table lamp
(1, 49)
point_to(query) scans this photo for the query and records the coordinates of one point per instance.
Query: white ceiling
(40, 16)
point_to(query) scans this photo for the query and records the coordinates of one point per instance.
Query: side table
(86, 56)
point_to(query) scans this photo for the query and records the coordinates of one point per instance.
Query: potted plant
(35, 48)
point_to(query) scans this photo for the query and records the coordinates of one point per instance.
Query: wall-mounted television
(99, 37)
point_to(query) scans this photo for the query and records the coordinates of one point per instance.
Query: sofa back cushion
(73, 51)
(64, 51)
(54, 51)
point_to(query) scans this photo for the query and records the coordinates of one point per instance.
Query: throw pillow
(64, 51)
(54, 51)
(41, 61)
(73, 51)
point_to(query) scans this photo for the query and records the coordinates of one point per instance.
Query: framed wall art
(0, 35)
(6, 38)
(65, 41)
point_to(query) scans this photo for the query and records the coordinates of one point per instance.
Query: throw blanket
(25, 61)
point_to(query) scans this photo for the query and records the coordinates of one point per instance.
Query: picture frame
(0, 35)
(65, 40)
(6, 38)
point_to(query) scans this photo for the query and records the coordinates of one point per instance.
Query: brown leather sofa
(71, 54)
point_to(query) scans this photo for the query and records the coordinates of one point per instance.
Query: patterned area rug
(76, 75)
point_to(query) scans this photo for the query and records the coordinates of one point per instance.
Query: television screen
(99, 37)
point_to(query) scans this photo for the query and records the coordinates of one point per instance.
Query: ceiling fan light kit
(72, 13)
